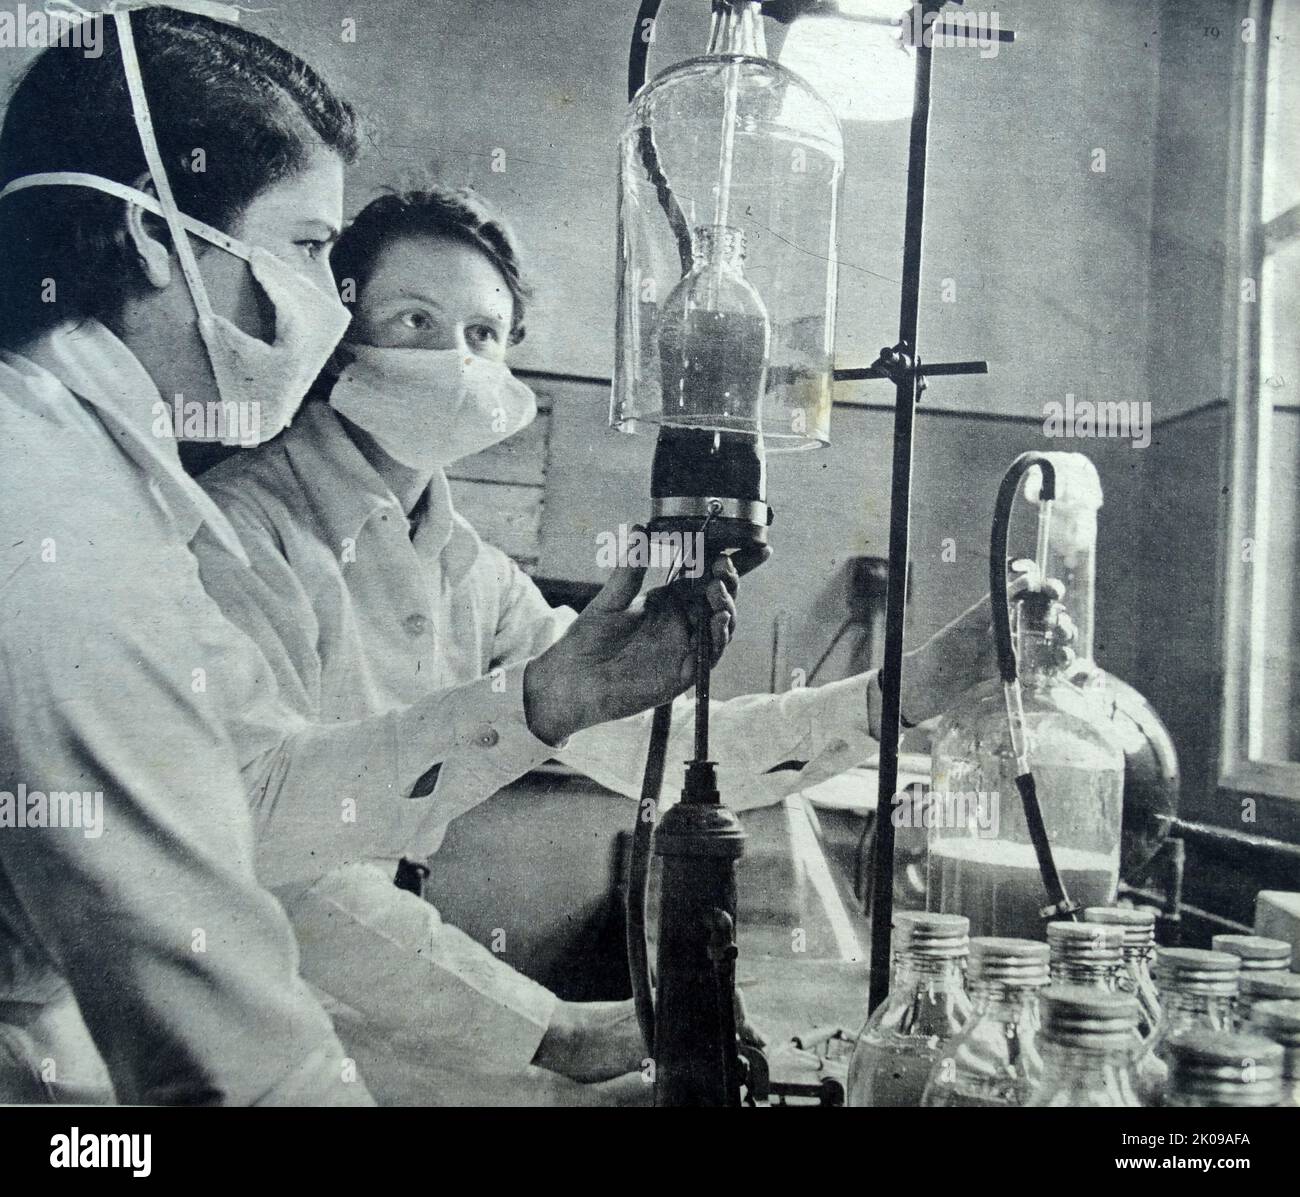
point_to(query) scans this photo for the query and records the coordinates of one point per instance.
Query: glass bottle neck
(1197, 1009)
(1039, 662)
(719, 246)
(1071, 559)
(737, 28)
(911, 973)
(1083, 1063)
(1082, 972)
(993, 1000)
(1189, 1012)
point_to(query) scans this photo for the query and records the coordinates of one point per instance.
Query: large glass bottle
(927, 1005)
(1198, 991)
(1139, 928)
(1280, 1022)
(985, 867)
(1208, 1068)
(994, 1061)
(1088, 1044)
(723, 156)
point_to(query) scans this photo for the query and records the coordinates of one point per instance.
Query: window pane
(1281, 181)
(1277, 690)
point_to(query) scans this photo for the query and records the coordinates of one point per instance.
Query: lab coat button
(416, 625)
(487, 737)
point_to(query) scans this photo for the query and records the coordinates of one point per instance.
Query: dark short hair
(459, 214)
(256, 112)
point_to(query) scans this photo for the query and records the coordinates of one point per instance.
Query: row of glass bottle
(1080, 1020)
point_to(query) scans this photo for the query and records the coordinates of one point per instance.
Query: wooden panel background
(502, 491)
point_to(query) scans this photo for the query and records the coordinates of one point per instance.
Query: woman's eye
(483, 334)
(418, 321)
(313, 249)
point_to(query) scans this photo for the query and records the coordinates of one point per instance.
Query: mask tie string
(162, 185)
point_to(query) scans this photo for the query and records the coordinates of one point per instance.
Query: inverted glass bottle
(1198, 991)
(1280, 1022)
(1208, 1068)
(982, 862)
(728, 148)
(1088, 1043)
(926, 1006)
(1139, 928)
(994, 1060)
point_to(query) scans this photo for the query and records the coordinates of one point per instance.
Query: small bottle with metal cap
(1280, 1022)
(1139, 928)
(1264, 987)
(1085, 953)
(1209, 1069)
(1198, 990)
(1257, 953)
(927, 1005)
(994, 1061)
(1088, 1043)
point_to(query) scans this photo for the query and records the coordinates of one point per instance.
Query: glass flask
(981, 859)
(1198, 990)
(1207, 1068)
(1256, 953)
(729, 179)
(1086, 954)
(1280, 1022)
(1264, 987)
(1139, 927)
(1151, 780)
(1088, 1043)
(926, 1006)
(994, 1061)
(713, 339)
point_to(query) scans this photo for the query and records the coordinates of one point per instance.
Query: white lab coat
(149, 948)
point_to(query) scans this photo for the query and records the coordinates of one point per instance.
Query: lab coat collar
(345, 491)
(92, 363)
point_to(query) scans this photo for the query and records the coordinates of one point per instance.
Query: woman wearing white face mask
(371, 590)
(137, 951)
(145, 298)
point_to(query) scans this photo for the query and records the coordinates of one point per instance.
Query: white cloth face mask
(273, 378)
(266, 382)
(427, 408)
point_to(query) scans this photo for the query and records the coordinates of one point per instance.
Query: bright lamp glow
(856, 58)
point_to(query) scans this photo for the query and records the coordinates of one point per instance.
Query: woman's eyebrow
(418, 296)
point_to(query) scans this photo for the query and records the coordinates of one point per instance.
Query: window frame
(1248, 239)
